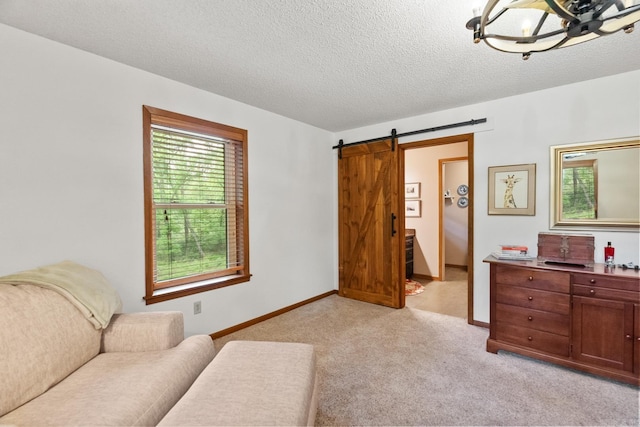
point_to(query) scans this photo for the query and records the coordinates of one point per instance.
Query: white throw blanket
(85, 288)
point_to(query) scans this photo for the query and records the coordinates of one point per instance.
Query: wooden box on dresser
(586, 318)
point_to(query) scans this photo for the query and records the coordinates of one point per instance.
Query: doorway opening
(426, 162)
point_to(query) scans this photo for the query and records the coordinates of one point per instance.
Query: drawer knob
(530, 298)
(629, 337)
(530, 338)
(592, 291)
(530, 278)
(592, 281)
(530, 318)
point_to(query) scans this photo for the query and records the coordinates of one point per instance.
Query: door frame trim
(468, 138)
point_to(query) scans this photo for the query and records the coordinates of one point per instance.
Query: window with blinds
(195, 205)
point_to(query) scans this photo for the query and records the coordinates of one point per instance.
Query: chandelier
(527, 26)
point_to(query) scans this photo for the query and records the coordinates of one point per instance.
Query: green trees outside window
(579, 190)
(189, 196)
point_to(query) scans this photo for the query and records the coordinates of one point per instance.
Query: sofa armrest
(145, 331)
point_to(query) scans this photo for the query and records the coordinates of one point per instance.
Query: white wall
(520, 130)
(456, 218)
(71, 180)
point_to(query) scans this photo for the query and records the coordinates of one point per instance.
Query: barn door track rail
(394, 135)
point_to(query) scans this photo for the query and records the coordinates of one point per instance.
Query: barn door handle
(393, 224)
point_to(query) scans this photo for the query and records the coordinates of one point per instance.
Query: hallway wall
(422, 165)
(456, 218)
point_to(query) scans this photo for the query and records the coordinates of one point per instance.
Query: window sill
(180, 291)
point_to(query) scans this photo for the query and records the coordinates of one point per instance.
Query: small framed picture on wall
(412, 208)
(412, 190)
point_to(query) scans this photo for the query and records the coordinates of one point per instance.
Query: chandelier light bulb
(474, 23)
(526, 28)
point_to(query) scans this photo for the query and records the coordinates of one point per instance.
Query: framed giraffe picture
(512, 190)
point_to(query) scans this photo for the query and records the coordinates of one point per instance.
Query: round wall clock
(463, 190)
(463, 202)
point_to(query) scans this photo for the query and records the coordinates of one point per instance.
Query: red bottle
(609, 252)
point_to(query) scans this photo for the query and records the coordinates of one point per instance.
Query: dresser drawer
(531, 338)
(533, 298)
(533, 319)
(605, 293)
(555, 281)
(606, 282)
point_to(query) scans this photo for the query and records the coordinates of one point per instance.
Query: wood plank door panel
(369, 224)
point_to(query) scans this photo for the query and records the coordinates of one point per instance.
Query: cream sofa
(58, 368)
(70, 360)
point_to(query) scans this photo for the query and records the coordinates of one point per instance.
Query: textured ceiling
(335, 64)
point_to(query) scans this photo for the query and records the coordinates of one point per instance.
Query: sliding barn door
(369, 224)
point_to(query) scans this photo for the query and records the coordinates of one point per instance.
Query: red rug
(411, 287)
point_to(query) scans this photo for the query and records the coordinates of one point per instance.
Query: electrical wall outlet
(197, 307)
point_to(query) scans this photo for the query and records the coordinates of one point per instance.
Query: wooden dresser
(408, 247)
(583, 318)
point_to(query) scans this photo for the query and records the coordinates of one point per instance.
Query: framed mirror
(596, 185)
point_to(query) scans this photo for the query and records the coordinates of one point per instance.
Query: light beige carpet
(381, 366)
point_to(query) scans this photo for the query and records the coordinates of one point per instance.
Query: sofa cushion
(252, 383)
(143, 331)
(125, 389)
(43, 339)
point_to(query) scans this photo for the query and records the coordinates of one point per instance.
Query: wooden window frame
(176, 288)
